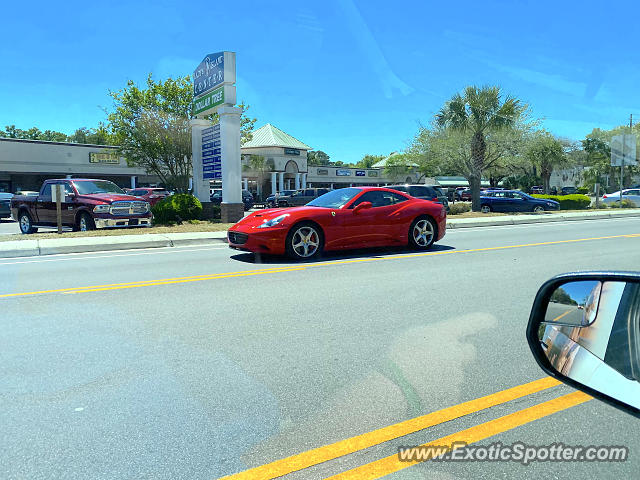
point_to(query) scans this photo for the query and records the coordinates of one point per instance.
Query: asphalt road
(199, 362)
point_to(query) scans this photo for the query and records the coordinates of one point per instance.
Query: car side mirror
(584, 330)
(362, 206)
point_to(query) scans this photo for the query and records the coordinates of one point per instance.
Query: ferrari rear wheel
(304, 241)
(422, 233)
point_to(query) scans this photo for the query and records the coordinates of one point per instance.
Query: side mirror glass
(362, 206)
(584, 330)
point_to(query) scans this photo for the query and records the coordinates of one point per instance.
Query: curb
(527, 219)
(56, 246)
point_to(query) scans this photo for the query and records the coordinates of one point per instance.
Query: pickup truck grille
(237, 238)
(128, 208)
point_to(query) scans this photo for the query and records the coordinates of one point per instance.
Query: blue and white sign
(211, 153)
(214, 70)
(360, 173)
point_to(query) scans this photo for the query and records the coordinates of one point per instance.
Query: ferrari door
(374, 226)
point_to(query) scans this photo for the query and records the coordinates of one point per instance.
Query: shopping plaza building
(272, 161)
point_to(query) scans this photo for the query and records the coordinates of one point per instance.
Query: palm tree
(478, 112)
(259, 165)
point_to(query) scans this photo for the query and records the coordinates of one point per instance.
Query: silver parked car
(632, 194)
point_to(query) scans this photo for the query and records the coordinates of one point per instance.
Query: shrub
(583, 190)
(628, 204)
(569, 202)
(458, 208)
(601, 206)
(177, 208)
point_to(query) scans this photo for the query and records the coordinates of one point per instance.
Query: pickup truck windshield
(104, 186)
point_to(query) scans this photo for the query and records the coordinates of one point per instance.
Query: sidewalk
(453, 222)
(53, 246)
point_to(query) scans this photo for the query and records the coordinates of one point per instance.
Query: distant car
(300, 197)
(568, 190)
(433, 193)
(514, 201)
(537, 189)
(632, 194)
(151, 194)
(458, 192)
(247, 198)
(271, 199)
(464, 195)
(5, 204)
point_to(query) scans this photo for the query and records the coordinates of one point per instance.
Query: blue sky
(345, 76)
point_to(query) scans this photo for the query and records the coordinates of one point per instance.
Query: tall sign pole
(216, 146)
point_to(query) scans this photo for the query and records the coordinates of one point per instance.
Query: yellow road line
(391, 464)
(213, 276)
(562, 315)
(366, 440)
(163, 281)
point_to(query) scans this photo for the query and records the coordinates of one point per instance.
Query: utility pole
(623, 145)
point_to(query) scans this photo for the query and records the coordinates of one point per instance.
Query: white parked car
(632, 194)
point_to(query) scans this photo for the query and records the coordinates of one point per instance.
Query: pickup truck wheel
(26, 224)
(86, 223)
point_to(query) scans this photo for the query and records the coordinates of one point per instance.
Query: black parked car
(300, 197)
(271, 200)
(426, 192)
(5, 204)
(514, 201)
(568, 190)
(247, 198)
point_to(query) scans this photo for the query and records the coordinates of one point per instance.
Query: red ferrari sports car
(346, 218)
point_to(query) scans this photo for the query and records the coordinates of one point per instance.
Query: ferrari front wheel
(422, 233)
(304, 241)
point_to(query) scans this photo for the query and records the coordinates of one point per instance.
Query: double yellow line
(164, 281)
(392, 464)
(293, 268)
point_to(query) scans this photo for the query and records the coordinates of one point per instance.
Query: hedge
(569, 202)
(177, 208)
(458, 207)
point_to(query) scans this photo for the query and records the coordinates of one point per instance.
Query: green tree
(151, 127)
(33, 133)
(479, 112)
(260, 165)
(546, 152)
(317, 158)
(368, 160)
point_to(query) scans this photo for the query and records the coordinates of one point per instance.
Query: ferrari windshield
(335, 199)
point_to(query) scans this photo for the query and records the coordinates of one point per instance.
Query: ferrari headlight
(274, 221)
(101, 208)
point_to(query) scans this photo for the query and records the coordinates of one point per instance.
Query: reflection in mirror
(574, 303)
(591, 334)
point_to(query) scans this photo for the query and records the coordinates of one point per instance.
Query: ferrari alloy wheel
(422, 233)
(538, 209)
(304, 241)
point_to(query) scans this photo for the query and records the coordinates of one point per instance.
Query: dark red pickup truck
(88, 204)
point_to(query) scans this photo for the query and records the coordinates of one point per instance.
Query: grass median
(187, 227)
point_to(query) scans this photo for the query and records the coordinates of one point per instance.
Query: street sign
(208, 102)
(211, 153)
(214, 70)
(623, 150)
